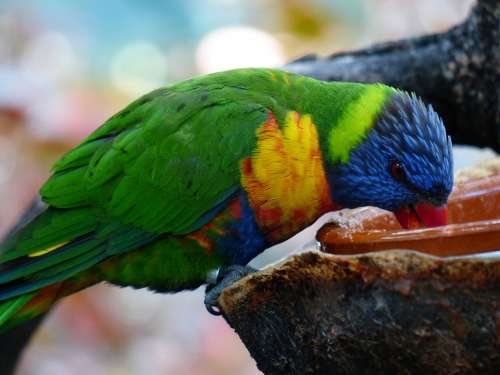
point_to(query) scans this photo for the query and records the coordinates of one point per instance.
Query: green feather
(10, 307)
(154, 172)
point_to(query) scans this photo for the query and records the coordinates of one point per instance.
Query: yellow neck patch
(284, 178)
(355, 122)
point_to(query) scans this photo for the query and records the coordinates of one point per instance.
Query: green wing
(162, 165)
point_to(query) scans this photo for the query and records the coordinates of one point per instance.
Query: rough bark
(457, 71)
(396, 312)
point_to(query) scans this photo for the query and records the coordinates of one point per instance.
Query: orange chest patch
(284, 179)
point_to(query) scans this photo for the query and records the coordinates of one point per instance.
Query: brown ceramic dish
(474, 226)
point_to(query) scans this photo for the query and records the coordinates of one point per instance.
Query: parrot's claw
(226, 276)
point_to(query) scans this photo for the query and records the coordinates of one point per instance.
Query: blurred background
(65, 66)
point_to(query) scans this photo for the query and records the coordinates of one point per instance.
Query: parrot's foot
(225, 277)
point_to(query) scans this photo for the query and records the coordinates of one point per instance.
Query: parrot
(203, 175)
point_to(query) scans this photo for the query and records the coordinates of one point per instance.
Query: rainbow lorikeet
(210, 172)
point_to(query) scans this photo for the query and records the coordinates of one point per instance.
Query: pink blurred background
(67, 66)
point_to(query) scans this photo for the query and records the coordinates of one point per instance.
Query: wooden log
(395, 312)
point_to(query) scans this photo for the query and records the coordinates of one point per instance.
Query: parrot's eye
(397, 171)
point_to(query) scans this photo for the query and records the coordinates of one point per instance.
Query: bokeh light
(52, 56)
(238, 47)
(138, 68)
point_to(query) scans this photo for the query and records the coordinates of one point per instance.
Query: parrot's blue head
(404, 164)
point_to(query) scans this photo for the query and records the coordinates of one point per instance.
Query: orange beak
(422, 215)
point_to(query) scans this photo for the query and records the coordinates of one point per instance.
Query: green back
(167, 163)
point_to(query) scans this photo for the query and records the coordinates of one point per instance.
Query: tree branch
(457, 71)
(395, 312)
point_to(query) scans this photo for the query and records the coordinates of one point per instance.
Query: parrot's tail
(46, 259)
(17, 310)
(9, 309)
(38, 257)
